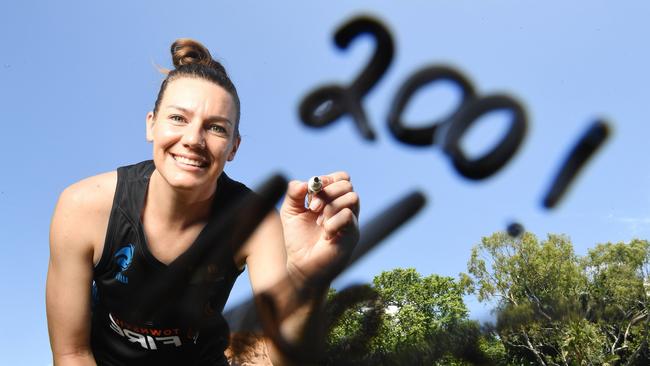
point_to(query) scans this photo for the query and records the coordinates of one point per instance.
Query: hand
(320, 239)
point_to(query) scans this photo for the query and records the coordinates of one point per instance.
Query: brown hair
(192, 59)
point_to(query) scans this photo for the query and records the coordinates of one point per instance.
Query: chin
(192, 182)
(188, 182)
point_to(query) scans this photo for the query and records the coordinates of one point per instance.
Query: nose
(193, 136)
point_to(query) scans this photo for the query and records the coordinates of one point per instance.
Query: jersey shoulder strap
(130, 192)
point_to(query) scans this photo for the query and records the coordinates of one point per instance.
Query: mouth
(192, 162)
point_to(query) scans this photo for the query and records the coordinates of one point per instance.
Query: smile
(187, 161)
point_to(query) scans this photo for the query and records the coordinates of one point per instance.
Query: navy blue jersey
(187, 327)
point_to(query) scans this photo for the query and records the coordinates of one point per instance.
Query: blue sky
(77, 78)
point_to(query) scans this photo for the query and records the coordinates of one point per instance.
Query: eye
(177, 118)
(217, 129)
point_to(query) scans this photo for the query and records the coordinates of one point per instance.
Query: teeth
(188, 161)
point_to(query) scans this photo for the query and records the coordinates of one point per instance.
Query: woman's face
(193, 133)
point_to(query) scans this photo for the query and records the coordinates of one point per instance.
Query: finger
(334, 177)
(295, 197)
(343, 222)
(349, 200)
(318, 200)
(330, 193)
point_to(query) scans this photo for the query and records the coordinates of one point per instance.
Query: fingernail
(315, 204)
(319, 219)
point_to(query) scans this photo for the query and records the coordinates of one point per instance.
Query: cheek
(221, 151)
(165, 137)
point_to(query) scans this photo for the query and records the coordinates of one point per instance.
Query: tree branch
(627, 330)
(532, 349)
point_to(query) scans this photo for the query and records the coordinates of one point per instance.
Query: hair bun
(186, 51)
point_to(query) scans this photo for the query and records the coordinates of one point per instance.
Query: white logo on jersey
(147, 338)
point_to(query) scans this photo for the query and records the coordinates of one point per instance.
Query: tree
(410, 320)
(618, 297)
(555, 308)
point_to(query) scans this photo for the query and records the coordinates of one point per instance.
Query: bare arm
(76, 227)
(303, 249)
(269, 275)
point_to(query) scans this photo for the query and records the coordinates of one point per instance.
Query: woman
(114, 234)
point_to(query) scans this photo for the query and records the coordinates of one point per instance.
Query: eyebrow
(209, 119)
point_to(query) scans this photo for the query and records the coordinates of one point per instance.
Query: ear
(150, 122)
(235, 146)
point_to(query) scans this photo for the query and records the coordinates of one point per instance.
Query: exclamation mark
(581, 152)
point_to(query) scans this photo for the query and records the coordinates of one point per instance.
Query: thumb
(294, 202)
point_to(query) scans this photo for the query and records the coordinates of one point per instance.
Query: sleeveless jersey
(120, 333)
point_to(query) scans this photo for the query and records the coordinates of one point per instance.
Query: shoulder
(81, 215)
(90, 195)
(232, 185)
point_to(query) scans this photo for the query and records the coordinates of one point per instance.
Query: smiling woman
(192, 134)
(116, 234)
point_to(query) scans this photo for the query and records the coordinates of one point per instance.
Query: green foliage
(555, 308)
(617, 301)
(422, 321)
(418, 307)
(517, 269)
(492, 349)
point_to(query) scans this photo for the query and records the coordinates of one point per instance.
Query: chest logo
(123, 258)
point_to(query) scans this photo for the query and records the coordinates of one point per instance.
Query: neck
(176, 209)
